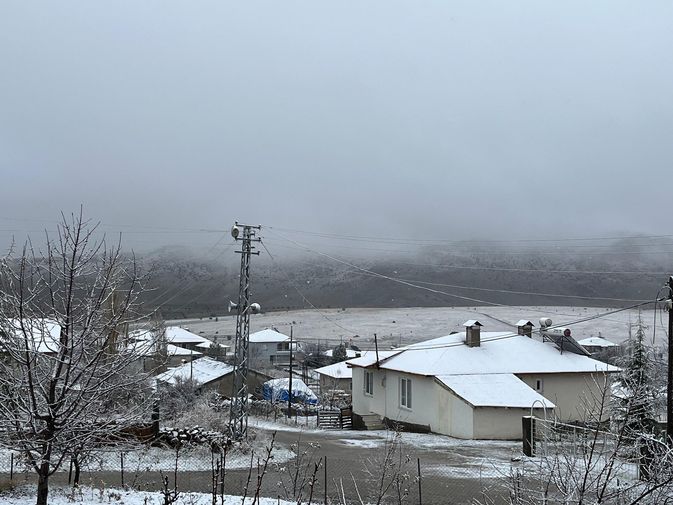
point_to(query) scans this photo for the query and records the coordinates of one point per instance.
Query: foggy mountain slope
(186, 286)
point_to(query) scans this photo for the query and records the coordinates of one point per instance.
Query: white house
(178, 345)
(339, 376)
(598, 344)
(178, 337)
(475, 385)
(270, 347)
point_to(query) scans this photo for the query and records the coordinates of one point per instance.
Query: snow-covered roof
(203, 371)
(472, 322)
(174, 350)
(499, 352)
(174, 335)
(494, 390)
(369, 358)
(597, 342)
(524, 322)
(268, 335)
(149, 348)
(338, 370)
(299, 387)
(43, 334)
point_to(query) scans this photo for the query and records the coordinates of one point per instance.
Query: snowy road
(453, 471)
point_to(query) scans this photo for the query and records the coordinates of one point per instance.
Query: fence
(301, 471)
(594, 464)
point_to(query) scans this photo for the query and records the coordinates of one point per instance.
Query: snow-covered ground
(408, 325)
(25, 495)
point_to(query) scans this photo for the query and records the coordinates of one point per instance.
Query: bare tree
(594, 462)
(65, 374)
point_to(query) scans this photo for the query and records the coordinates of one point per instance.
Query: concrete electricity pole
(238, 415)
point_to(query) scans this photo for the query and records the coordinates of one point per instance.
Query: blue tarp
(277, 390)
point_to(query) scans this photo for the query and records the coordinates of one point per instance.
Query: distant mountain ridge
(607, 275)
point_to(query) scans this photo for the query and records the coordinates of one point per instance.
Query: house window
(539, 385)
(369, 382)
(405, 392)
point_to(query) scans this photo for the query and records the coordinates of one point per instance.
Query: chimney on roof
(525, 328)
(472, 333)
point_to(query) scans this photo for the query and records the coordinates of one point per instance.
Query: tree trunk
(75, 462)
(43, 484)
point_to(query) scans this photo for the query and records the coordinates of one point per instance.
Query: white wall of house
(366, 404)
(572, 393)
(424, 405)
(454, 415)
(498, 423)
(429, 403)
(445, 413)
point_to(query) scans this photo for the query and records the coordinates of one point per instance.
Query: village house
(600, 347)
(208, 374)
(272, 348)
(339, 376)
(476, 385)
(179, 337)
(171, 348)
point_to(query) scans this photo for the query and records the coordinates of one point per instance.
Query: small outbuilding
(208, 374)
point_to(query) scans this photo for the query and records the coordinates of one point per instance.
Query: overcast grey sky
(451, 119)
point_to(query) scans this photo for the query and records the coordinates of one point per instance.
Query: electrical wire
(493, 290)
(505, 269)
(306, 300)
(415, 283)
(193, 282)
(393, 279)
(414, 347)
(453, 241)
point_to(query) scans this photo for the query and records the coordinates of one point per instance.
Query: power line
(414, 347)
(493, 290)
(415, 284)
(306, 300)
(194, 281)
(453, 241)
(393, 279)
(505, 269)
(530, 252)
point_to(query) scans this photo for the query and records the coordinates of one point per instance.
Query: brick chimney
(525, 328)
(472, 333)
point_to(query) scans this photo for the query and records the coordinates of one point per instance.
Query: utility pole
(289, 388)
(238, 415)
(669, 385)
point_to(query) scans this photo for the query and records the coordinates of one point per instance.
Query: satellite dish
(235, 232)
(255, 308)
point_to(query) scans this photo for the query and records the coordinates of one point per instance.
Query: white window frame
(368, 386)
(405, 393)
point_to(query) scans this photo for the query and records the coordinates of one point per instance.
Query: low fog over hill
(613, 273)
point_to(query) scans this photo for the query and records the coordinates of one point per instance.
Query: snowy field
(408, 325)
